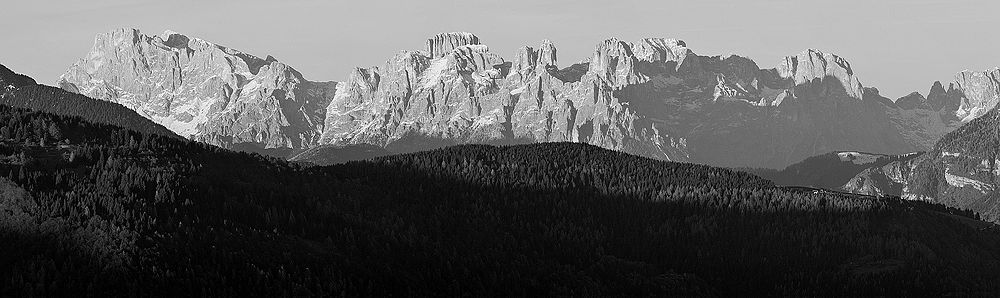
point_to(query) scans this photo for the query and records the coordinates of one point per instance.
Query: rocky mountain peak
(547, 54)
(614, 62)
(472, 58)
(443, 43)
(940, 98)
(812, 64)
(661, 50)
(937, 89)
(530, 60)
(202, 90)
(473, 63)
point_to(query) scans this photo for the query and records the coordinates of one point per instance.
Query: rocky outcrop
(812, 65)
(202, 90)
(613, 63)
(529, 61)
(980, 91)
(442, 44)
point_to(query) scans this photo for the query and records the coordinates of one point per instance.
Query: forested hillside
(17, 90)
(100, 210)
(854, 172)
(12, 79)
(963, 169)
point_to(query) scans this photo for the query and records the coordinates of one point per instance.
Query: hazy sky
(898, 46)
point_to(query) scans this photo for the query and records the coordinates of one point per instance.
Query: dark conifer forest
(94, 209)
(60, 102)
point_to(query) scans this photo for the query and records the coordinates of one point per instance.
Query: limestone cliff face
(444, 43)
(980, 90)
(654, 97)
(202, 90)
(811, 65)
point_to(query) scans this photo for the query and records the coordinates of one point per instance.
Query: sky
(898, 46)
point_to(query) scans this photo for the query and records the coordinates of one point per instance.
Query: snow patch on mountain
(433, 75)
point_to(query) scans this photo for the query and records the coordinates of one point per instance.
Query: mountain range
(654, 97)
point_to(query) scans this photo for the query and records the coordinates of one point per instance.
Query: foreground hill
(117, 212)
(963, 169)
(854, 172)
(18, 90)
